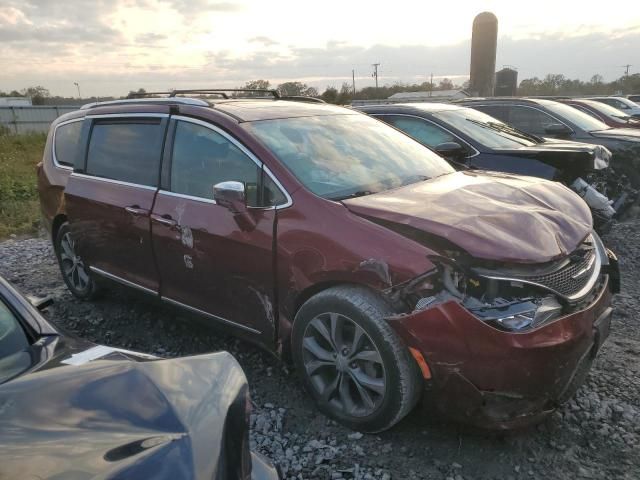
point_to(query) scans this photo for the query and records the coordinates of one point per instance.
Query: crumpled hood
(166, 419)
(630, 134)
(492, 216)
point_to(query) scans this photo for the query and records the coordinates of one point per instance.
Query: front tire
(75, 273)
(352, 362)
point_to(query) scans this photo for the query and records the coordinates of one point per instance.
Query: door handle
(165, 220)
(136, 210)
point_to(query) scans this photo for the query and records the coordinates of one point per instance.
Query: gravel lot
(595, 436)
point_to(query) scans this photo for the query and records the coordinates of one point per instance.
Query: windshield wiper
(359, 193)
(502, 128)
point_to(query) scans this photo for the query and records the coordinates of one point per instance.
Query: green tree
(294, 89)
(330, 95)
(445, 84)
(38, 94)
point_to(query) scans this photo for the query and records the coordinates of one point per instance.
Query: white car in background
(627, 106)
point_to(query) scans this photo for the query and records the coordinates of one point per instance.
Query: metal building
(506, 83)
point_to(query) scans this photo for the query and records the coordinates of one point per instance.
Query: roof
(255, 110)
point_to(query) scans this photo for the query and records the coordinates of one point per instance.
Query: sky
(110, 47)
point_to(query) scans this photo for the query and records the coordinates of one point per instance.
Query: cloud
(266, 41)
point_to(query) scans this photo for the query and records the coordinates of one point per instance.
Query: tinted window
(530, 120)
(425, 132)
(578, 118)
(202, 158)
(67, 138)
(484, 129)
(496, 111)
(336, 156)
(126, 151)
(14, 345)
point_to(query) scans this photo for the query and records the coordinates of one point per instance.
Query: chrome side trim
(209, 315)
(121, 280)
(187, 197)
(248, 153)
(430, 121)
(53, 149)
(128, 115)
(110, 180)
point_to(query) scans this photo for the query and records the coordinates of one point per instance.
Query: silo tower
(484, 41)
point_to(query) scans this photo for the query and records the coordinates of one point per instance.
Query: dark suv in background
(468, 138)
(335, 240)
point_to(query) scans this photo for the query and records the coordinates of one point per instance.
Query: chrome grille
(573, 277)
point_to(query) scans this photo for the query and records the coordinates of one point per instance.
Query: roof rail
(223, 91)
(302, 98)
(153, 101)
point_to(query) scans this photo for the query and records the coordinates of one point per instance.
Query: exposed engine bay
(512, 297)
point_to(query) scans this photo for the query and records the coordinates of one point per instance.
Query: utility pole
(353, 79)
(78, 87)
(431, 85)
(375, 73)
(626, 69)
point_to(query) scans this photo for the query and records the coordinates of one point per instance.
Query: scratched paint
(186, 237)
(188, 261)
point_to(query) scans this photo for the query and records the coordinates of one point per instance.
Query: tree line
(550, 85)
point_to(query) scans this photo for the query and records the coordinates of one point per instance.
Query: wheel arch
(56, 224)
(305, 295)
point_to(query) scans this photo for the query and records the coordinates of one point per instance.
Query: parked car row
(343, 246)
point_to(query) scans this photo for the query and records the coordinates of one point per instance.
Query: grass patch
(19, 206)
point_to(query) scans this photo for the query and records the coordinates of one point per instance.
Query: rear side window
(202, 158)
(66, 144)
(126, 151)
(530, 120)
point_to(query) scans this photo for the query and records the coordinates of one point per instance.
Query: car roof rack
(223, 92)
(302, 98)
(153, 101)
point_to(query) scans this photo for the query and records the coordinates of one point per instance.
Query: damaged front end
(505, 344)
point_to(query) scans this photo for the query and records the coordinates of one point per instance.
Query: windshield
(486, 130)
(580, 119)
(340, 156)
(14, 345)
(607, 110)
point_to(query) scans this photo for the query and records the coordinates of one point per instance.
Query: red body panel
(109, 237)
(208, 262)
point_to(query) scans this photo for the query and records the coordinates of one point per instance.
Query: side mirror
(450, 150)
(558, 129)
(232, 196)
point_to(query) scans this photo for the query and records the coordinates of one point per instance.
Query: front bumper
(499, 379)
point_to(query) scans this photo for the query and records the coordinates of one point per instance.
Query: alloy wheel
(72, 266)
(343, 365)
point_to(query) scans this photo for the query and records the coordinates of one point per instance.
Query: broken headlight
(601, 158)
(518, 314)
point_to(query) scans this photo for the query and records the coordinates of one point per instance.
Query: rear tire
(350, 360)
(74, 272)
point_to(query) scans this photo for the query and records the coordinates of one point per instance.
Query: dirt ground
(595, 436)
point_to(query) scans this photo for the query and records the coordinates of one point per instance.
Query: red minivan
(339, 243)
